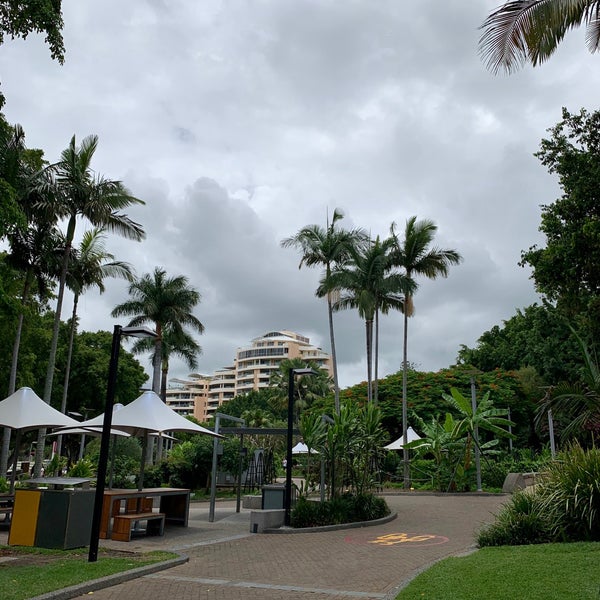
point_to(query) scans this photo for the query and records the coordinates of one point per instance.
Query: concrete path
(228, 562)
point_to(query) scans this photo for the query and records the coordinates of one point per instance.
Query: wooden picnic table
(174, 503)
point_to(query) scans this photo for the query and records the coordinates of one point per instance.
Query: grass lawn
(540, 572)
(35, 571)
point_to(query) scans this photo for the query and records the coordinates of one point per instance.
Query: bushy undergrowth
(343, 509)
(564, 507)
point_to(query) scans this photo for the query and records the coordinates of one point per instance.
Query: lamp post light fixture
(287, 500)
(118, 333)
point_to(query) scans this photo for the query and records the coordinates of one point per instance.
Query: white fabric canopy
(148, 413)
(25, 410)
(398, 444)
(302, 448)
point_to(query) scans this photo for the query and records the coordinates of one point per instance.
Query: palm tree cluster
(41, 205)
(372, 277)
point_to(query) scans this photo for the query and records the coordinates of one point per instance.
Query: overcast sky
(240, 122)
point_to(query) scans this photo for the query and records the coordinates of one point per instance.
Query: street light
(118, 332)
(290, 428)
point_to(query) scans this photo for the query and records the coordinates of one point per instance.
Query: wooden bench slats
(122, 525)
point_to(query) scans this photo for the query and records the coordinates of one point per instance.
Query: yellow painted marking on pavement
(400, 538)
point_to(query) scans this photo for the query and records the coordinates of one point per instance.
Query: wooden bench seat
(123, 524)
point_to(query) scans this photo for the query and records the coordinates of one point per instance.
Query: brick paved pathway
(370, 562)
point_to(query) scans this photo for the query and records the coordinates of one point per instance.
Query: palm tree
(72, 191)
(88, 267)
(167, 303)
(414, 255)
(362, 282)
(32, 240)
(327, 248)
(523, 31)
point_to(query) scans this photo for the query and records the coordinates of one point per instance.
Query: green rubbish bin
(273, 496)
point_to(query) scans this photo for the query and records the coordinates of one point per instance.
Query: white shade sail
(302, 448)
(147, 414)
(25, 410)
(398, 444)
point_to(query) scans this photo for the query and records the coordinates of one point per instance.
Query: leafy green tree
(537, 336)
(165, 302)
(566, 270)
(18, 19)
(415, 255)
(254, 400)
(523, 31)
(327, 248)
(73, 192)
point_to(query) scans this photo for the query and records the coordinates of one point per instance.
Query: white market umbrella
(25, 410)
(398, 444)
(302, 448)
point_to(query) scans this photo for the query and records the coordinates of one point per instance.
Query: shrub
(522, 521)
(4, 485)
(342, 509)
(82, 468)
(564, 507)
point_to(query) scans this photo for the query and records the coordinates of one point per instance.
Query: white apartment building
(201, 395)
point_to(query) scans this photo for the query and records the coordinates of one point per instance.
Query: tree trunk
(336, 385)
(405, 405)
(63, 405)
(369, 335)
(376, 379)
(41, 441)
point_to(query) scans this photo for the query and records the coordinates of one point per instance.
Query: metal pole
(104, 444)
(287, 504)
(213, 475)
(239, 485)
(476, 435)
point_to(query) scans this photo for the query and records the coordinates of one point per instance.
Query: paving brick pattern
(228, 562)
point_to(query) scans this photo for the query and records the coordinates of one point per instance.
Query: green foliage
(342, 509)
(565, 506)
(522, 521)
(537, 337)
(82, 468)
(127, 452)
(4, 485)
(56, 465)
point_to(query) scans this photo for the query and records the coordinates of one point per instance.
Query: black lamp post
(290, 428)
(118, 332)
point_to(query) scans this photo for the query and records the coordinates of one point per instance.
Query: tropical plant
(72, 191)
(415, 255)
(167, 303)
(306, 389)
(363, 281)
(523, 31)
(576, 405)
(327, 248)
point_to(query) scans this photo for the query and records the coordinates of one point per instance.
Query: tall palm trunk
(63, 405)
(12, 383)
(41, 441)
(369, 336)
(376, 380)
(336, 385)
(157, 360)
(405, 404)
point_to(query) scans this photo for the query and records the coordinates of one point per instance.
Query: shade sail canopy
(148, 413)
(25, 410)
(302, 448)
(398, 444)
